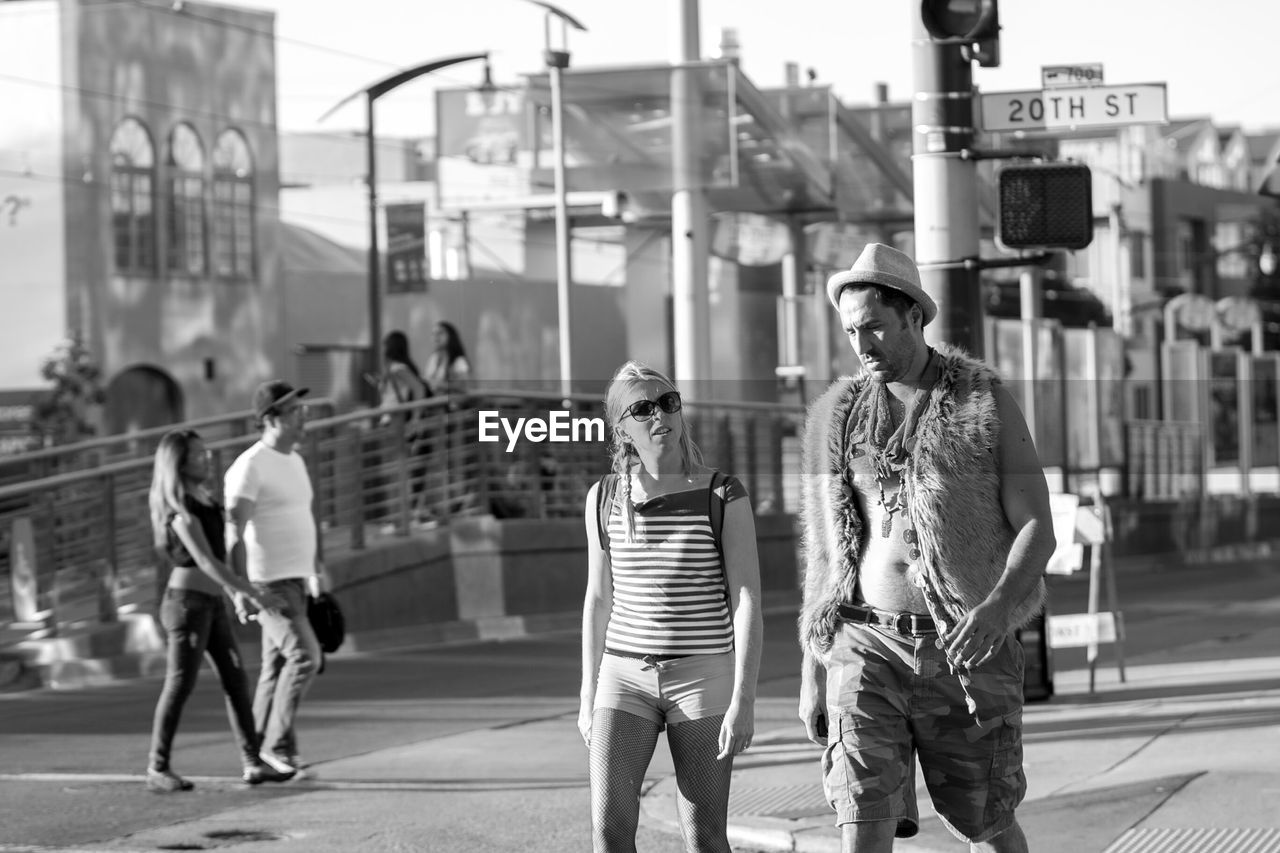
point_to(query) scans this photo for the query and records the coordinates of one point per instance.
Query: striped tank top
(669, 591)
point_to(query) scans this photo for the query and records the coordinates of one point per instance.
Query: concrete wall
(485, 577)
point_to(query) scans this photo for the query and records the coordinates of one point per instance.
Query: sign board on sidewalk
(1068, 556)
(1094, 106)
(1071, 76)
(1074, 526)
(1073, 630)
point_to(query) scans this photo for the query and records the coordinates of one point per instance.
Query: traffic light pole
(945, 185)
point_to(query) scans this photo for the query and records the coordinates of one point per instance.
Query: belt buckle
(902, 624)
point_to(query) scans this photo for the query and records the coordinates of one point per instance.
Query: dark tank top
(210, 519)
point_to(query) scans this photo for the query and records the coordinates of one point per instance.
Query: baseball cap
(272, 393)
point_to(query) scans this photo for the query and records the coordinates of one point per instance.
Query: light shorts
(676, 691)
(892, 700)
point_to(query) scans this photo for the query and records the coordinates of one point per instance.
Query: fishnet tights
(622, 745)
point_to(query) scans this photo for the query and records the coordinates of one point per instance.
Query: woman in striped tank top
(671, 629)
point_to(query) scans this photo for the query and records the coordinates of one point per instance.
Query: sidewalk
(1182, 753)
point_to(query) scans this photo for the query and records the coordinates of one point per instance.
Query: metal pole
(375, 280)
(689, 243)
(1029, 291)
(945, 188)
(556, 62)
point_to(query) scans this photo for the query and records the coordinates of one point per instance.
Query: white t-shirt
(280, 537)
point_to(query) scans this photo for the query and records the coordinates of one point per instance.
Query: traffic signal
(1045, 206)
(972, 23)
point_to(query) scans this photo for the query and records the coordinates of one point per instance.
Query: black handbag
(327, 621)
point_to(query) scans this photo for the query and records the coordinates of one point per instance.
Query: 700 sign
(1095, 106)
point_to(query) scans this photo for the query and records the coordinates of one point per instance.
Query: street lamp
(557, 61)
(372, 93)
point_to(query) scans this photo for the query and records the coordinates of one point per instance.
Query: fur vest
(951, 487)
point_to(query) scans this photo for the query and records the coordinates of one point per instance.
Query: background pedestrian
(448, 371)
(273, 542)
(188, 531)
(401, 382)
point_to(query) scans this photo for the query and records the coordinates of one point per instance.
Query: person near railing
(449, 372)
(273, 541)
(188, 531)
(927, 530)
(671, 628)
(401, 382)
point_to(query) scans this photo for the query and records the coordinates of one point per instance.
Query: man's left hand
(978, 636)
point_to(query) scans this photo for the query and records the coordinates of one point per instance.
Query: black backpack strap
(715, 511)
(604, 507)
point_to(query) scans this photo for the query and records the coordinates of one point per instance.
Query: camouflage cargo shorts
(893, 700)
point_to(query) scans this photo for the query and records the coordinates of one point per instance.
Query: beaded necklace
(887, 446)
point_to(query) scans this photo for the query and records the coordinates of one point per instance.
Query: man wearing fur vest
(926, 530)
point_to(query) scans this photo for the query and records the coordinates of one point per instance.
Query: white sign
(1081, 629)
(1071, 76)
(836, 245)
(1096, 106)
(1068, 556)
(751, 239)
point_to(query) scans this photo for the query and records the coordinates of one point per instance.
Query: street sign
(1062, 109)
(1071, 76)
(1081, 629)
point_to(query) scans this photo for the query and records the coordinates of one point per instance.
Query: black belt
(906, 624)
(644, 656)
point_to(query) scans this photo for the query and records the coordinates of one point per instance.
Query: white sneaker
(285, 763)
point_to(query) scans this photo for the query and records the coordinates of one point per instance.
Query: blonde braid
(628, 508)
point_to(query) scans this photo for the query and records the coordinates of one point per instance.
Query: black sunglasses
(643, 410)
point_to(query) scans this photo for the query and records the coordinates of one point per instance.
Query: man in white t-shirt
(271, 540)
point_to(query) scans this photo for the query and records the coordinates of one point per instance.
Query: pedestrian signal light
(972, 23)
(1045, 206)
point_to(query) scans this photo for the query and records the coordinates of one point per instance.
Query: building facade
(138, 146)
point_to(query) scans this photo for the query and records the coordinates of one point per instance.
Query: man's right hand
(813, 711)
(241, 602)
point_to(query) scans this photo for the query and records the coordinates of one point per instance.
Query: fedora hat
(887, 267)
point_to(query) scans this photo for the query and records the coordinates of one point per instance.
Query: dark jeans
(197, 623)
(290, 658)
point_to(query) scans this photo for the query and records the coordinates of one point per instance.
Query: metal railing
(376, 474)
(96, 452)
(1164, 460)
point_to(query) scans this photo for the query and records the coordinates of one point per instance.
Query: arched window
(133, 222)
(232, 206)
(186, 202)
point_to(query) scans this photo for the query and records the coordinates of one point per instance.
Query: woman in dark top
(401, 383)
(188, 529)
(448, 371)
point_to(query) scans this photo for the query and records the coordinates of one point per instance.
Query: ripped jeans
(196, 623)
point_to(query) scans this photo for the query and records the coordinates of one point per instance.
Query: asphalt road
(71, 761)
